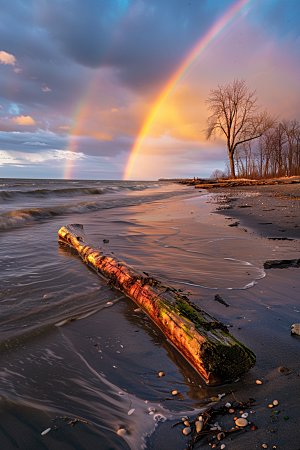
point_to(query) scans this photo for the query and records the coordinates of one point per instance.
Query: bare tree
(235, 114)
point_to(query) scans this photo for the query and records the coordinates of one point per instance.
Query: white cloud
(46, 89)
(7, 58)
(12, 157)
(35, 143)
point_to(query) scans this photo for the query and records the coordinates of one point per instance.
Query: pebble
(200, 418)
(220, 436)
(174, 392)
(258, 382)
(109, 303)
(231, 411)
(214, 446)
(215, 399)
(271, 405)
(186, 431)
(121, 431)
(264, 446)
(199, 426)
(131, 411)
(244, 415)
(275, 402)
(186, 423)
(295, 329)
(223, 446)
(227, 405)
(161, 374)
(241, 422)
(45, 431)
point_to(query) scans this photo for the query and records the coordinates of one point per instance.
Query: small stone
(220, 436)
(274, 446)
(231, 411)
(199, 426)
(121, 431)
(186, 423)
(161, 374)
(45, 431)
(254, 427)
(264, 446)
(131, 411)
(275, 402)
(174, 392)
(271, 406)
(214, 446)
(200, 418)
(235, 418)
(186, 431)
(295, 329)
(215, 399)
(241, 412)
(227, 405)
(223, 446)
(244, 415)
(241, 422)
(109, 303)
(258, 382)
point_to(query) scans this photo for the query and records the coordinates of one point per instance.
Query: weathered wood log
(204, 341)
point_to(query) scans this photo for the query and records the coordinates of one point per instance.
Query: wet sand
(191, 247)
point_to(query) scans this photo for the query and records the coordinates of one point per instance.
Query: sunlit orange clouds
(24, 120)
(17, 123)
(7, 58)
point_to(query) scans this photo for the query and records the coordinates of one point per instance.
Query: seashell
(186, 423)
(161, 374)
(46, 431)
(241, 422)
(186, 431)
(295, 329)
(275, 402)
(174, 392)
(244, 415)
(121, 431)
(227, 405)
(220, 436)
(258, 382)
(199, 426)
(221, 395)
(131, 411)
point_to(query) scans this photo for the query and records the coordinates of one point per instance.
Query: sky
(116, 89)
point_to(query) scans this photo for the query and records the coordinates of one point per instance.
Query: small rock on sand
(121, 431)
(258, 382)
(199, 426)
(161, 374)
(174, 392)
(241, 422)
(275, 402)
(186, 430)
(295, 329)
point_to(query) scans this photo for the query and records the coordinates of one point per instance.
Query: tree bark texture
(204, 341)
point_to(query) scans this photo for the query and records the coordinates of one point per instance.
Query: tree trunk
(232, 168)
(204, 341)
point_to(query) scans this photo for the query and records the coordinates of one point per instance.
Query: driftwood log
(204, 341)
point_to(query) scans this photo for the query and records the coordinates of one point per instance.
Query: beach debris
(234, 224)
(240, 422)
(188, 327)
(258, 382)
(283, 369)
(45, 431)
(174, 392)
(295, 329)
(254, 428)
(286, 417)
(161, 374)
(220, 436)
(215, 399)
(275, 402)
(221, 300)
(159, 418)
(244, 415)
(282, 263)
(231, 411)
(186, 430)
(106, 241)
(131, 411)
(221, 396)
(227, 405)
(121, 431)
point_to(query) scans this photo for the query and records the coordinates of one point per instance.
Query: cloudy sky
(80, 78)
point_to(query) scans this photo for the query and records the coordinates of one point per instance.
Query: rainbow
(81, 113)
(184, 68)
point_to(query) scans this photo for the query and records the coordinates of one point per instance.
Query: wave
(11, 195)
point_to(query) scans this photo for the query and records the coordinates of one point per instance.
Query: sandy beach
(101, 367)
